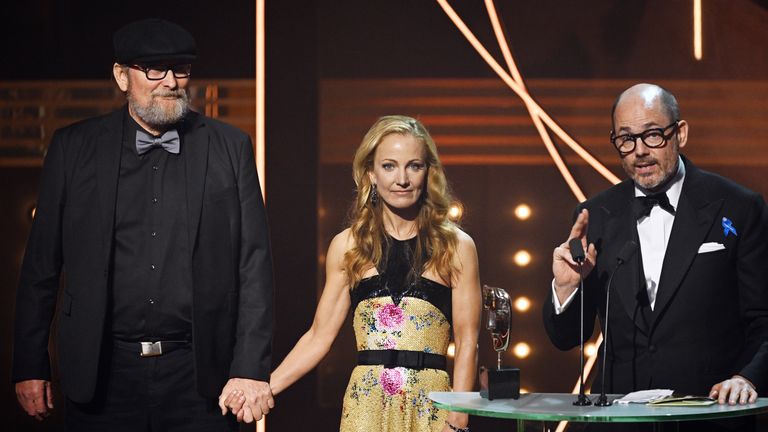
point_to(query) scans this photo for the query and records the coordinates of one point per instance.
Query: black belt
(407, 359)
(152, 349)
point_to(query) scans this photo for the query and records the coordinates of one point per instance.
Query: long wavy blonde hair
(436, 234)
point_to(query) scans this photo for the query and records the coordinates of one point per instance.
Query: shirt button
(151, 301)
(152, 267)
(154, 233)
(154, 168)
(154, 200)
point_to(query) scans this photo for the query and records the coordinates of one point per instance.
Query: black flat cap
(153, 41)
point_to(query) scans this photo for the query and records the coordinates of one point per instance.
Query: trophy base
(502, 383)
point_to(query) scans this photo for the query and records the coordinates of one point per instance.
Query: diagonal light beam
(523, 94)
(532, 111)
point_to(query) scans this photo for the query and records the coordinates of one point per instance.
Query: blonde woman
(410, 276)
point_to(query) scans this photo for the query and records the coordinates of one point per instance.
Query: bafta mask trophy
(501, 382)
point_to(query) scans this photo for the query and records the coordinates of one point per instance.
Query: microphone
(577, 253)
(626, 252)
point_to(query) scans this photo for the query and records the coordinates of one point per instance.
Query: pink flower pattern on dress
(391, 381)
(389, 317)
(390, 344)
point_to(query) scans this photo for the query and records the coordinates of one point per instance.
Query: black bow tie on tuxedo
(169, 141)
(642, 206)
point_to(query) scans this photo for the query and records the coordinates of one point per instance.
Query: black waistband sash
(407, 359)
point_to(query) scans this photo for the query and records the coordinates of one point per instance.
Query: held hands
(564, 268)
(247, 399)
(36, 397)
(735, 390)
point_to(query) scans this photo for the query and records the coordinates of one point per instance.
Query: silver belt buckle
(151, 349)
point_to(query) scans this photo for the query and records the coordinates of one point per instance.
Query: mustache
(178, 93)
(646, 161)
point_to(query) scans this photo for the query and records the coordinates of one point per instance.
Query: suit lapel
(693, 219)
(621, 228)
(195, 149)
(108, 150)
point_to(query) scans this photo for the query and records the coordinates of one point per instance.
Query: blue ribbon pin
(728, 227)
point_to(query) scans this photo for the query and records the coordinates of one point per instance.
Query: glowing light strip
(697, 49)
(532, 111)
(260, 97)
(523, 94)
(261, 425)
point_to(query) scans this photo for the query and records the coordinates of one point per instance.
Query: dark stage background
(321, 53)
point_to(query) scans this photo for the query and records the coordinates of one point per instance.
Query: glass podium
(559, 407)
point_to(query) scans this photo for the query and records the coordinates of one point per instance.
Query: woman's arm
(466, 311)
(331, 312)
(316, 342)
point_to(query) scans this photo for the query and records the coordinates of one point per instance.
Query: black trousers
(149, 394)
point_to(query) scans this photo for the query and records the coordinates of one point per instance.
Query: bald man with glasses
(690, 308)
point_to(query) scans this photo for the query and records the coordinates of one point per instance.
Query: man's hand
(248, 399)
(36, 397)
(564, 268)
(735, 390)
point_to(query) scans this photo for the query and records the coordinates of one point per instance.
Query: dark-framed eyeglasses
(651, 138)
(159, 72)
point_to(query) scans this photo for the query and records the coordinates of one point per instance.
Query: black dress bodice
(398, 278)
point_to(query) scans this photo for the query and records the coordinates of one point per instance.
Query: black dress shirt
(152, 287)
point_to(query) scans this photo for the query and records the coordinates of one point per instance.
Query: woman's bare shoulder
(341, 243)
(463, 240)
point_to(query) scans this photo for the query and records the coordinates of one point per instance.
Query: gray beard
(155, 115)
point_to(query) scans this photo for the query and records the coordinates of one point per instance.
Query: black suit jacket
(73, 231)
(711, 311)
(757, 370)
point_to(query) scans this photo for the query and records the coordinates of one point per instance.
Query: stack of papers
(664, 397)
(645, 396)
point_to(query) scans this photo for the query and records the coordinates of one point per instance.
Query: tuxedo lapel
(195, 149)
(621, 227)
(693, 220)
(108, 144)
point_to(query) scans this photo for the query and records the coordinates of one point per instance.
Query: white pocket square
(710, 247)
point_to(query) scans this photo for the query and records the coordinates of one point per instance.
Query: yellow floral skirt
(393, 400)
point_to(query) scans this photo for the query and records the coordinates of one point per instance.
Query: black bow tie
(642, 206)
(169, 141)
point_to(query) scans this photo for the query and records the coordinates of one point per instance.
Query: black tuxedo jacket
(711, 311)
(73, 231)
(757, 370)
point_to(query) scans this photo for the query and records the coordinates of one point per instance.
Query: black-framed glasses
(159, 72)
(651, 138)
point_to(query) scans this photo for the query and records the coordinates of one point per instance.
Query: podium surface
(559, 407)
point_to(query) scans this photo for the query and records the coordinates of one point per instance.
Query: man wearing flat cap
(154, 216)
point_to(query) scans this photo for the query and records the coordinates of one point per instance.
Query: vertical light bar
(261, 425)
(697, 49)
(260, 98)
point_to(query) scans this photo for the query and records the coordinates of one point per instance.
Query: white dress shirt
(653, 231)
